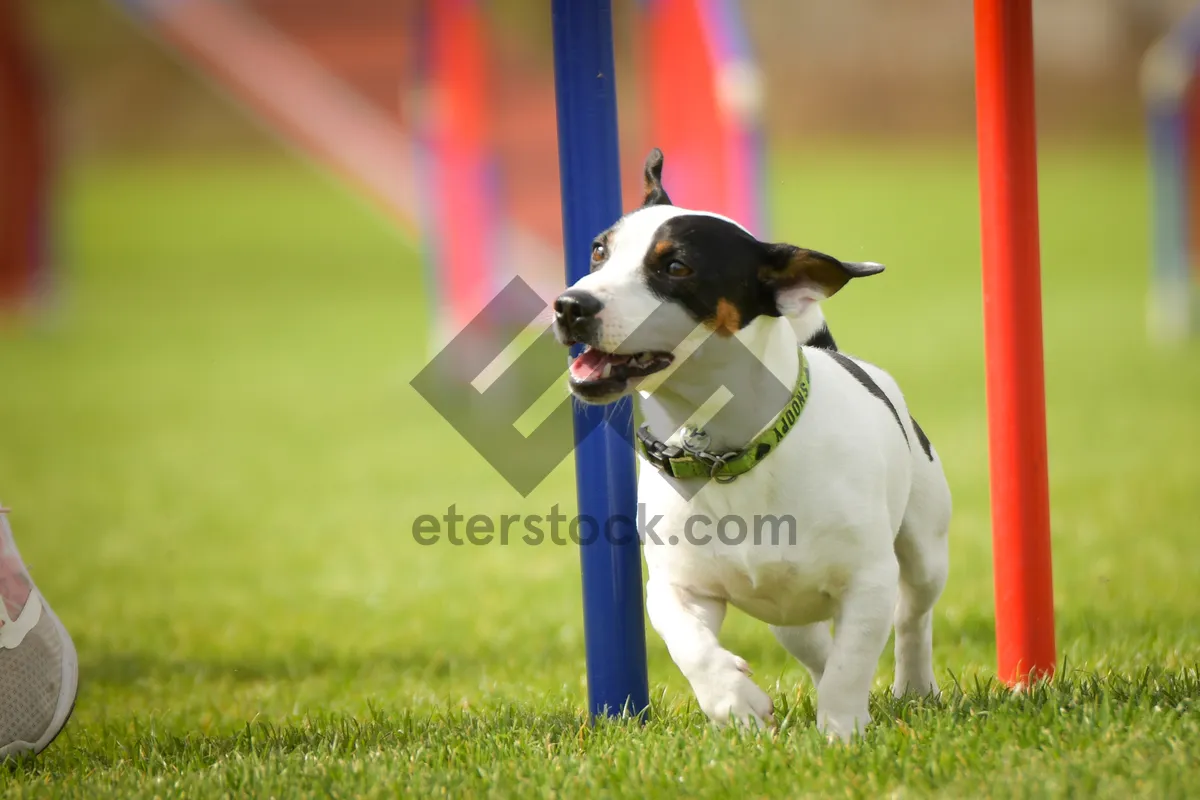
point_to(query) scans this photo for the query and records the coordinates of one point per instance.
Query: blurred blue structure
(589, 170)
(1172, 96)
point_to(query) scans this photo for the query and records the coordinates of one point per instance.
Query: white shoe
(39, 670)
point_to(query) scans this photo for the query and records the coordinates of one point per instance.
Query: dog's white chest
(767, 562)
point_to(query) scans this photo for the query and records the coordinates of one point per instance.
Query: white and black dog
(674, 302)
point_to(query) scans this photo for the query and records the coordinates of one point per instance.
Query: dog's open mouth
(596, 373)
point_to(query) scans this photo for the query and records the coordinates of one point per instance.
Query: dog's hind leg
(810, 644)
(689, 623)
(922, 550)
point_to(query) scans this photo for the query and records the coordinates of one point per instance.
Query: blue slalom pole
(610, 554)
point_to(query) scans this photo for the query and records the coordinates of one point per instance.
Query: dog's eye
(677, 269)
(599, 252)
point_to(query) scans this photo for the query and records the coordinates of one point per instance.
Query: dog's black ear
(654, 193)
(800, 277)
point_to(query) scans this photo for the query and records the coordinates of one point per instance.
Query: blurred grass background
(215, 460)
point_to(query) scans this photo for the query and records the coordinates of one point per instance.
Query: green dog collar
(692, 460)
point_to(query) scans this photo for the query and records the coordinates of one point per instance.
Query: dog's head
(662, 270)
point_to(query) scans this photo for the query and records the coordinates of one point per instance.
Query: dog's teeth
(607, 371)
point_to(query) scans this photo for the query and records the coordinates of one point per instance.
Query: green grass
(215, 460)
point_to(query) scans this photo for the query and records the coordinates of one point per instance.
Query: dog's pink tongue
(589, 363)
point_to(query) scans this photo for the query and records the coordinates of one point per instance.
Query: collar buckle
(657, 452)
(693, 459)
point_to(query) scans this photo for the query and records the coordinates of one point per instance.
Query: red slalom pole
(1012, 305)
(23, 164)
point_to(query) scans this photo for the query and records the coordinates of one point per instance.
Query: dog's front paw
(727, 695)
(842, 727)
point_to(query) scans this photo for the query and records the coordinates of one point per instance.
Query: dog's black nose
(574, 306)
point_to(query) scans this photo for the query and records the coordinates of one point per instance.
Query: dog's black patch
(822, 340)
(726, 278)
(860, 374)
(923, 439)
(721, 261)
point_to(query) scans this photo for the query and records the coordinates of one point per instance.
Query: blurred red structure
(461, 202)
(24, 165)
(704, 106)
(452, 128)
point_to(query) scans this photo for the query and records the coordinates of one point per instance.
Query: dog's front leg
(689, 624)
(861, 631)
